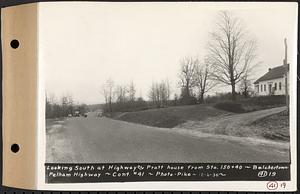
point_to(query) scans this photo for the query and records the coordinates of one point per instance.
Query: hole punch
(15, 148)
(14, 44)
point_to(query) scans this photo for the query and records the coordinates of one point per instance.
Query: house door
(270, 89)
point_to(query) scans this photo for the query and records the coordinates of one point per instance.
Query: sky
(82, 44)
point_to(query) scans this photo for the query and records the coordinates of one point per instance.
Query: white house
(273, 82)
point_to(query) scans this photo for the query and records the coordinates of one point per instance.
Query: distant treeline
(64, 107)
(249, 103)
(122, 98)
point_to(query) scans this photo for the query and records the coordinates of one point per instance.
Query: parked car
(99, 114)
(76, 113)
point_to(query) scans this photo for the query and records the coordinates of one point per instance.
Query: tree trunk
(187, 91)
(233, 91)
(110, 108)
(201, 99)
(246, 93)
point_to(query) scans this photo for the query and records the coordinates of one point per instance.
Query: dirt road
(94, 139)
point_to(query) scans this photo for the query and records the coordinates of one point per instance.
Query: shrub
(265, 101)
(221, 97)
(188, 100)
(230, 106)
(127, 106)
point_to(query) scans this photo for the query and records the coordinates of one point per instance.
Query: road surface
(102, 140)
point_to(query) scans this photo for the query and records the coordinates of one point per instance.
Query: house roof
(276, 72)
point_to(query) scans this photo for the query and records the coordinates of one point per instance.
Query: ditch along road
(104, 140)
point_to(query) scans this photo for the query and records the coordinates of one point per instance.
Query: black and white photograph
(168, 82)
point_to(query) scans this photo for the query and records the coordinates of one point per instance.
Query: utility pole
(286, 76)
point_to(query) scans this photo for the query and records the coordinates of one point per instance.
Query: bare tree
(50, 97)
(70, 104)
(203, 77)
(168, 89)
(121, 93)
(187, 75)
(231, 51)
(175, 99)
(154, 94)
(49, 104)
(108, 93)
(104, 92)
(245, 85)
(159, 93)
(164, 93)
(65, 104)
(132, 91)
(60, 108)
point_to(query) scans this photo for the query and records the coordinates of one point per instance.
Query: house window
(275, 86)
(279, 85)
(261, 87)
(265, 87)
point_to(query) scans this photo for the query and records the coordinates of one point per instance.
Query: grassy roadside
(274, 127)
(252, 124)
(171, 116)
